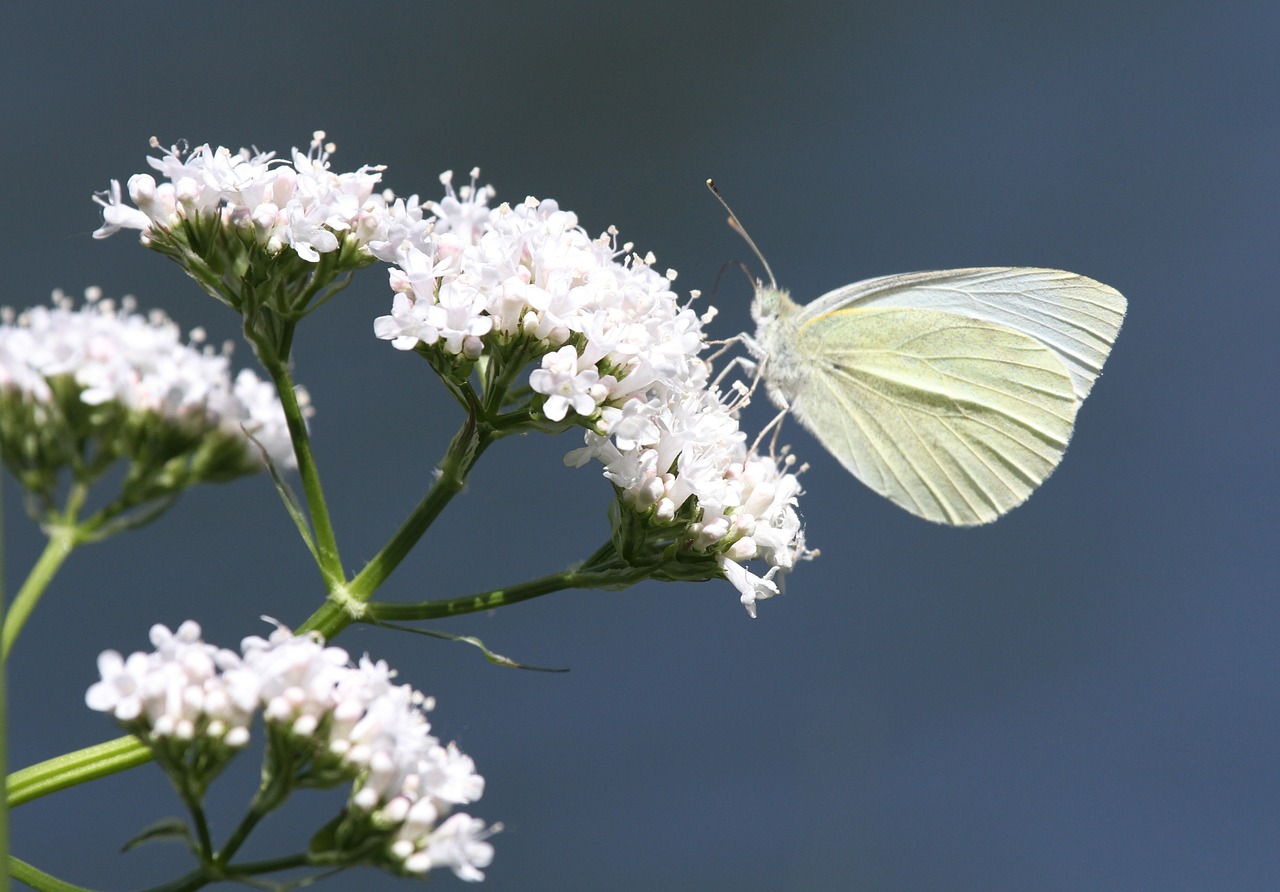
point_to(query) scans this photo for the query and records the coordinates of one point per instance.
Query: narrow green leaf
(170, 829)
(290, 500)
(491, 656)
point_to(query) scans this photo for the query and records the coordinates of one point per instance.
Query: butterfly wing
(955, 419)
(1074, 316)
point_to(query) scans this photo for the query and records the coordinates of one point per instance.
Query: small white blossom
(752, 587)
(459, 844)
(408, 324)
(566, 387)
(121, 690)
(117, 215)
(460, 321)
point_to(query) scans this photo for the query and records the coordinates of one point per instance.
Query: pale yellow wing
(956, 419)
(1076, 317)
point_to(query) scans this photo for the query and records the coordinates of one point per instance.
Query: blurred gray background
(1084, 695)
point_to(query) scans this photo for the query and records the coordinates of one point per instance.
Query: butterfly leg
(725, 344)
(749, 366)
(776, 427)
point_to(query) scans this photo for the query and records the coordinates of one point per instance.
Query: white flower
(167, 690)
(768, 513)
(116, 215)
(464, 212)
(459, 844)
(460, 321)
(631, 425)
(121, 690)
(450, 775)
(565, 386)
(753, 588)
(408, 324)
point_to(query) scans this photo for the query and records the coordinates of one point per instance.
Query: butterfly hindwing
(954, 418)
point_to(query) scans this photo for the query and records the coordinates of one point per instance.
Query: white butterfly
(952, 393)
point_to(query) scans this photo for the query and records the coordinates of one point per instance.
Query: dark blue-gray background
(1084, 695)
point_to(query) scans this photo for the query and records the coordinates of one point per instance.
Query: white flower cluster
(405, 779)
(302, 205)
(116, 354)
(617, 349)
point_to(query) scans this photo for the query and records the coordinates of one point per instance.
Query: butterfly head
(768, 302)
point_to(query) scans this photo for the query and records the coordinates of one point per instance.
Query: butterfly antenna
(737, 227)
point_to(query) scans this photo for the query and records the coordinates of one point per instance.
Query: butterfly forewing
(955, 418)
(1074, 316)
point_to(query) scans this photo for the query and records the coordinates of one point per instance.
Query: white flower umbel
(299, 204)
(615, 352)
(82, 386)
(272, 239)
(328, 722)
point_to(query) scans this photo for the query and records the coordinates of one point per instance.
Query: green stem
(63, 539)
(191, 798)
(270, 865)
(242, 831)
(273, 791)
(38, 879)
(498, 386)
(71, 769)
(326, 542)
(465, 449)
(616, 576)
(196, 879)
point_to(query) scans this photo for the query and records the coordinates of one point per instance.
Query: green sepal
(271, 290)
(349, 840)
